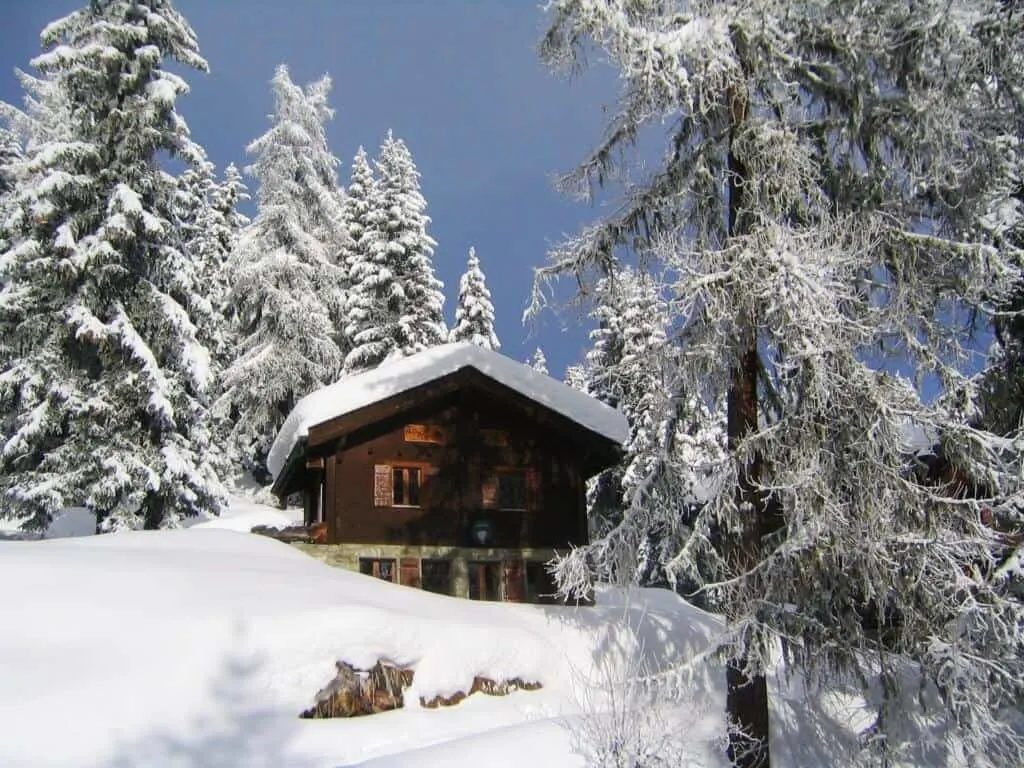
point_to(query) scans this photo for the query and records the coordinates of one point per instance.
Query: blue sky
(459, 80)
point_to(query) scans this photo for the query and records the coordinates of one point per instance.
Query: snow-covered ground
(200, 647)
(244, 514)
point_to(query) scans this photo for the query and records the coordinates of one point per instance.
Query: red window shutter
(409, 573)
(382, 486)
(515, 580)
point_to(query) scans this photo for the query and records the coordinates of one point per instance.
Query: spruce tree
(673, 441)
(286, 288)
(105, 399)
(197, 226)
(227, 224)
(576, 377)
(360, 212)
(815, 208)
(10, 154)
(226, 197)
(395, 305)
(10, 162)
(538, 361)
(474, 315)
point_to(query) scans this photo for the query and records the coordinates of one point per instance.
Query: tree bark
(746, 695)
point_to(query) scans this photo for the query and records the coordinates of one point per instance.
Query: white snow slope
(200, 647)
(400, 375)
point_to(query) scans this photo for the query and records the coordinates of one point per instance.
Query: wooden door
(409, 572)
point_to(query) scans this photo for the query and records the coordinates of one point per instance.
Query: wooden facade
(462, 463)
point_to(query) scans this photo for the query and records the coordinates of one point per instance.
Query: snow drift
(202, 646)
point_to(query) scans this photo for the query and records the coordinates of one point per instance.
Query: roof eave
(280, 487)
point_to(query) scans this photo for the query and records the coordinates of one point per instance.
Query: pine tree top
(538, 361)
(474, 315)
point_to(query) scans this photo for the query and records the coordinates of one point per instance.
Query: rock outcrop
(356, 692)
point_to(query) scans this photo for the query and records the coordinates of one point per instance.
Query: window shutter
(382, 486)
(409, 573)
(533, 499)
(490, 491)
(515, 580)
(429, 486)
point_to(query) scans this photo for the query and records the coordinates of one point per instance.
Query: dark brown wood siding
(482, 439)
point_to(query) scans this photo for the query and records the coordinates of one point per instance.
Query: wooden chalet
(456, 470)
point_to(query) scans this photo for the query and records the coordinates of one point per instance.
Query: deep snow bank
(200, 647)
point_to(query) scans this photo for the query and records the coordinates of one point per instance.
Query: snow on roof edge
(393, 377)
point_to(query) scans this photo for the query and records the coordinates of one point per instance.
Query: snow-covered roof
(397, 376)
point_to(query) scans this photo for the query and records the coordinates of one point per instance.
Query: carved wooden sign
(424, 433)
(382, 486)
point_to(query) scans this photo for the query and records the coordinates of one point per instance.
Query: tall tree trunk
(746, 695)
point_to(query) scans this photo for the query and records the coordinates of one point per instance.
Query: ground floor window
(540, 586)
(437, 576)
(484, 580)
(380, 568)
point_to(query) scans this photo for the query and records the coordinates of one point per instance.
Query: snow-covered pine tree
(672, 441)
(395, 305)
(474, 315)
(11, 168)
(605, 502)
(825, 169)
(197, 226)
(44, 116)
(10, 159)
(1000, 388)
(286, 289)
(10, 154)
(226, 197)
(576, 377)
(42, 120)
(228, 223)
(538, 361)
(104, 402)
(361, 220)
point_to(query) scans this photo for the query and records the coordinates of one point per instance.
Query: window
(437, 576)
(511, 490)
(405, 486)
(380, 568)
(540, 586)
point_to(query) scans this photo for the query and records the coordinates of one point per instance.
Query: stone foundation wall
(347, 556)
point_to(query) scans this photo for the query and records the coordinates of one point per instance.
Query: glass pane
(512, 491)
(398, 476)
(436, 576)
